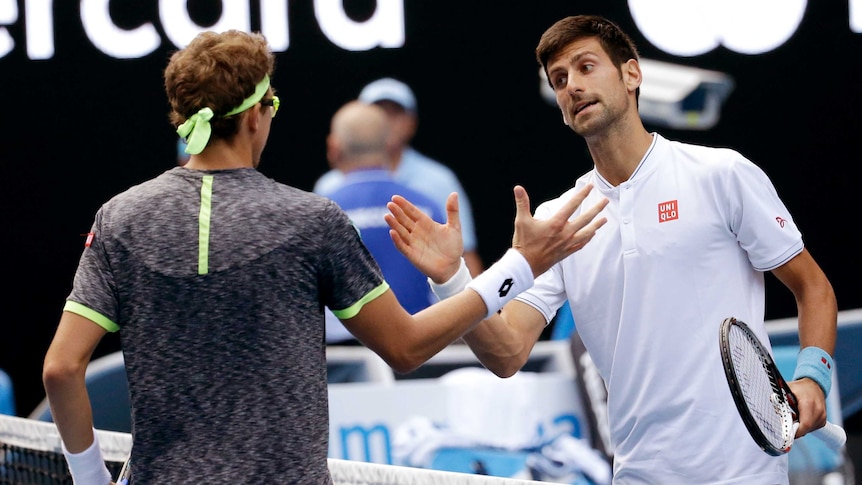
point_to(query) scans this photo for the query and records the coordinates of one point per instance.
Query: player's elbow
(402, 357)
(503, 369)
(404, 369)
(57, 372)
(404, 363)
(503, 364)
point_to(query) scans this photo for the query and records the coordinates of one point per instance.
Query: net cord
(40, 436)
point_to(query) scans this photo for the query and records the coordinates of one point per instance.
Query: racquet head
(761, 395)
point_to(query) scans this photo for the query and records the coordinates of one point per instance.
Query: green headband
(196, 130)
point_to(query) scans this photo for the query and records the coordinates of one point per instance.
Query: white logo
(689, 28)
(856, 15)
(385, 28)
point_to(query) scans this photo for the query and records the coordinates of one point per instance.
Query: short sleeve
(756, 215)
(350, 277)
(94, 291)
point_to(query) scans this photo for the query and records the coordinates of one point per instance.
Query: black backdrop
(82, 126)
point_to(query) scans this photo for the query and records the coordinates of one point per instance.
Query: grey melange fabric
(227, 370)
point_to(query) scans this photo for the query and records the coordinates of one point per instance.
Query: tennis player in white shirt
(690, 232)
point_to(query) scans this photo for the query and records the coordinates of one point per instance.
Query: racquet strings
(761, 393)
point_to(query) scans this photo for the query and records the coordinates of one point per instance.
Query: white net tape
(41, 436)
(37, 436)
(359, 473)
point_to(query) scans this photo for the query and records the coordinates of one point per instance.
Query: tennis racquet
(764, 400)
(125, 472)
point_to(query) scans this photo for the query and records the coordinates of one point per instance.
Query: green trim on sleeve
(96, 317)
(204, 224)
(352, 310)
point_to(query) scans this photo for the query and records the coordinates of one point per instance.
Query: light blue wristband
(815, 364)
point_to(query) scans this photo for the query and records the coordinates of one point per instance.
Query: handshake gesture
(435, 249)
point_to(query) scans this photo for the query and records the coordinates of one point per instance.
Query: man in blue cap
(412, 168)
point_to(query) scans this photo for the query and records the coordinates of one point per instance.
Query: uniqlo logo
(668, 211)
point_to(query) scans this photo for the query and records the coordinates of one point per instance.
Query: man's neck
(364, 169)
(618, 153)
(221, 156)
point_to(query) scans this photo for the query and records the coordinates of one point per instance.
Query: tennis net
(31, 454)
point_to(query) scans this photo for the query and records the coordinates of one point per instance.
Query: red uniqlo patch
(668, 211)
(89, 240)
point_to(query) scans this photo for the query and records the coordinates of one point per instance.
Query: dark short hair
(616, 43)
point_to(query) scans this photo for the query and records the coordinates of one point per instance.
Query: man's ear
(252, 116)
(332, 151)
(632, 75)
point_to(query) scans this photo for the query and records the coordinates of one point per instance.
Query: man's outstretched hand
(544, 242)
(435, 249)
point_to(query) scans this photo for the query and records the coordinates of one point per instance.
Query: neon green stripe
(96, 317)
(352, 310)
(204, 224)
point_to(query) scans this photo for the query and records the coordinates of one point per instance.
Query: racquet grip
(832, 435)
(125, 472)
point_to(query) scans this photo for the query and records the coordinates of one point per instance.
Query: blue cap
(388, 89)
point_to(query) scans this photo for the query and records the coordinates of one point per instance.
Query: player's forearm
(816, 305)
(818, 319)
(818, 328)
(70, 405)
(74, 420)
(502, 348)
(499, 346)
(415, 339)
(445, 322)
(410, 340)
(495, 359)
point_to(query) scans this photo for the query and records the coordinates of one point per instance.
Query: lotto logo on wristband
(505, 287)
(513, 271)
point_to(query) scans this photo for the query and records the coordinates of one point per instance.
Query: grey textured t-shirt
(217, 282)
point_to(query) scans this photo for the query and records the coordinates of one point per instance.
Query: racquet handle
(832, 435)
(125, 472)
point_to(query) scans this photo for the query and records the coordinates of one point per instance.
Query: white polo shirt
(687, 240)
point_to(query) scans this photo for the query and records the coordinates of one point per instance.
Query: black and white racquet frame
(764, 400)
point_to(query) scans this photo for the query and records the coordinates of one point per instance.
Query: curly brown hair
(216, 70)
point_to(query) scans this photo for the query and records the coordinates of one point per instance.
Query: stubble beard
(595, 124)
(599, 122)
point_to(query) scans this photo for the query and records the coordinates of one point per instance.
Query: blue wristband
(815, 364)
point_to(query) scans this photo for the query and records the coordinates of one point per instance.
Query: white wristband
(454, 285)
(88, 467)
(503, 281)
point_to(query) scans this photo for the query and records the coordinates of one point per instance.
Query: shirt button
(626, 220)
